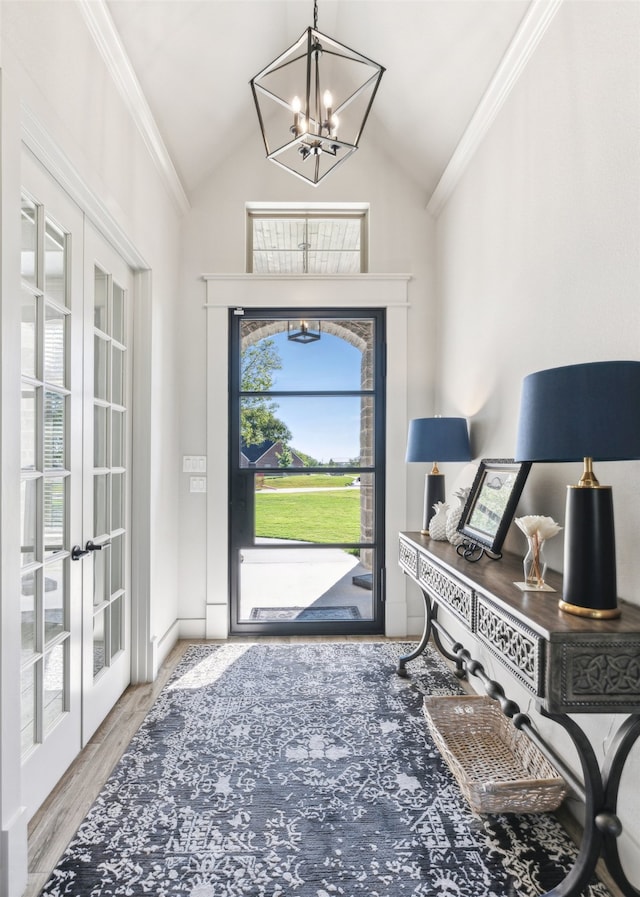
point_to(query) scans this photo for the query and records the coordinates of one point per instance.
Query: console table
(569, 664)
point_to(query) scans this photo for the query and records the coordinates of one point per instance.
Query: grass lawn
(309, 480)
(309, 516)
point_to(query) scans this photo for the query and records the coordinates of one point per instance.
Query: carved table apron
(569, 664)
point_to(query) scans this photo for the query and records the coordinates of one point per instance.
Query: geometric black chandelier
(304, 332)
(313, 102)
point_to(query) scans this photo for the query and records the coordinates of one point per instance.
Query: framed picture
(491, 504)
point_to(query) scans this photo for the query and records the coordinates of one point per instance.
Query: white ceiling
(194, 59)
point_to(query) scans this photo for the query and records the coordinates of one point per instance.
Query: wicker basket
(498, 768)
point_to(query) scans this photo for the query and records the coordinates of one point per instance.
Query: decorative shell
(438, 523)
(454, 516)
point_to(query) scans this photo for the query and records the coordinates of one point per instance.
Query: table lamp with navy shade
(433, 439)
(584, 412)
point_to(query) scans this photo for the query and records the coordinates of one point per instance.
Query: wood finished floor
(55, 823)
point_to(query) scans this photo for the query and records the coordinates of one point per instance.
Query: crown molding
(531, 30)
(38, 140)
(100, 24)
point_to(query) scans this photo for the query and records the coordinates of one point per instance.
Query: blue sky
(324, 428)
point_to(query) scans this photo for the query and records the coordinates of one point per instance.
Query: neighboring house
(267, 454)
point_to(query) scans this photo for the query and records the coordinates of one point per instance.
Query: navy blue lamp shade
(433, 439)
(574, 413)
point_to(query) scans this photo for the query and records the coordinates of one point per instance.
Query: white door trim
(359, 290)
(36, 138)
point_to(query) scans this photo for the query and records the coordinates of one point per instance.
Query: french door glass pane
(99, 655)
(28, 690)
(100, 521)
(55, 263)
(117, 375)
(54, 679)
(54, 431)
(28, 520)
(54, 599)
(100, 368)
(115, 627)
(117, 501)
(117, 438)
(99, 436)
(29, 236)
(55, 499)
(54, 346)
(28, 413)
(101, 589)
(100, 300)
(118, 328)
(117, 560)
(28, 334)
(28, 604)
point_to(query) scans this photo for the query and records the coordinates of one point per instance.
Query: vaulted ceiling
(193, 60)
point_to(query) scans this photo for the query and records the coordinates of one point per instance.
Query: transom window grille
(307, 243)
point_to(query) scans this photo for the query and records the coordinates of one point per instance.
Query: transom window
(307, 242)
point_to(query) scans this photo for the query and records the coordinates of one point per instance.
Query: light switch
(194, 464)
(197, 484)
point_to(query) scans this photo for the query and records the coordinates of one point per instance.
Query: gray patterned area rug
(300, 771)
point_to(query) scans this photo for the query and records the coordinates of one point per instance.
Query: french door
(106, 630)
(307, 471)
(74, 459)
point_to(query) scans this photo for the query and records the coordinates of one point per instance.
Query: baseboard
(192, 628)
(163, 647)
(14, 855)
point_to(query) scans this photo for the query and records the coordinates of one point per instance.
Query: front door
(307, 471)
(74, 462)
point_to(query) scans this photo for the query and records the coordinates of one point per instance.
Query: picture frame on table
(491, 506)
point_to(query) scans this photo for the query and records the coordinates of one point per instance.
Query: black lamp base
(589, 578)
(433, 492)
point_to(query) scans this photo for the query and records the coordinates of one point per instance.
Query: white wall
(538, 249)
(538, 255)
(54, 68)
(214, 242)
(51, 66)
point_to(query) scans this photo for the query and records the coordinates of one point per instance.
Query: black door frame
(241, 491)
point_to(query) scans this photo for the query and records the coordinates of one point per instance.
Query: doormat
(303, 614)
(307, 770)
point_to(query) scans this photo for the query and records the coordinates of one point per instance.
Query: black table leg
(404, 660)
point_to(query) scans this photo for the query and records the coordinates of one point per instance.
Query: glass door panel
(306, 489)
(50, 490)
(107, 604)
(304, 585)
(75, 439)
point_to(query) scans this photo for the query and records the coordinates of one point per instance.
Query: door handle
(77, 552)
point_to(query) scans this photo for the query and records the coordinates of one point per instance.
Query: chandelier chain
(315, 15)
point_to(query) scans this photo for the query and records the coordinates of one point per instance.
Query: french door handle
(77, 552)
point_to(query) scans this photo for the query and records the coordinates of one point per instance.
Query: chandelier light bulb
(295, 105)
